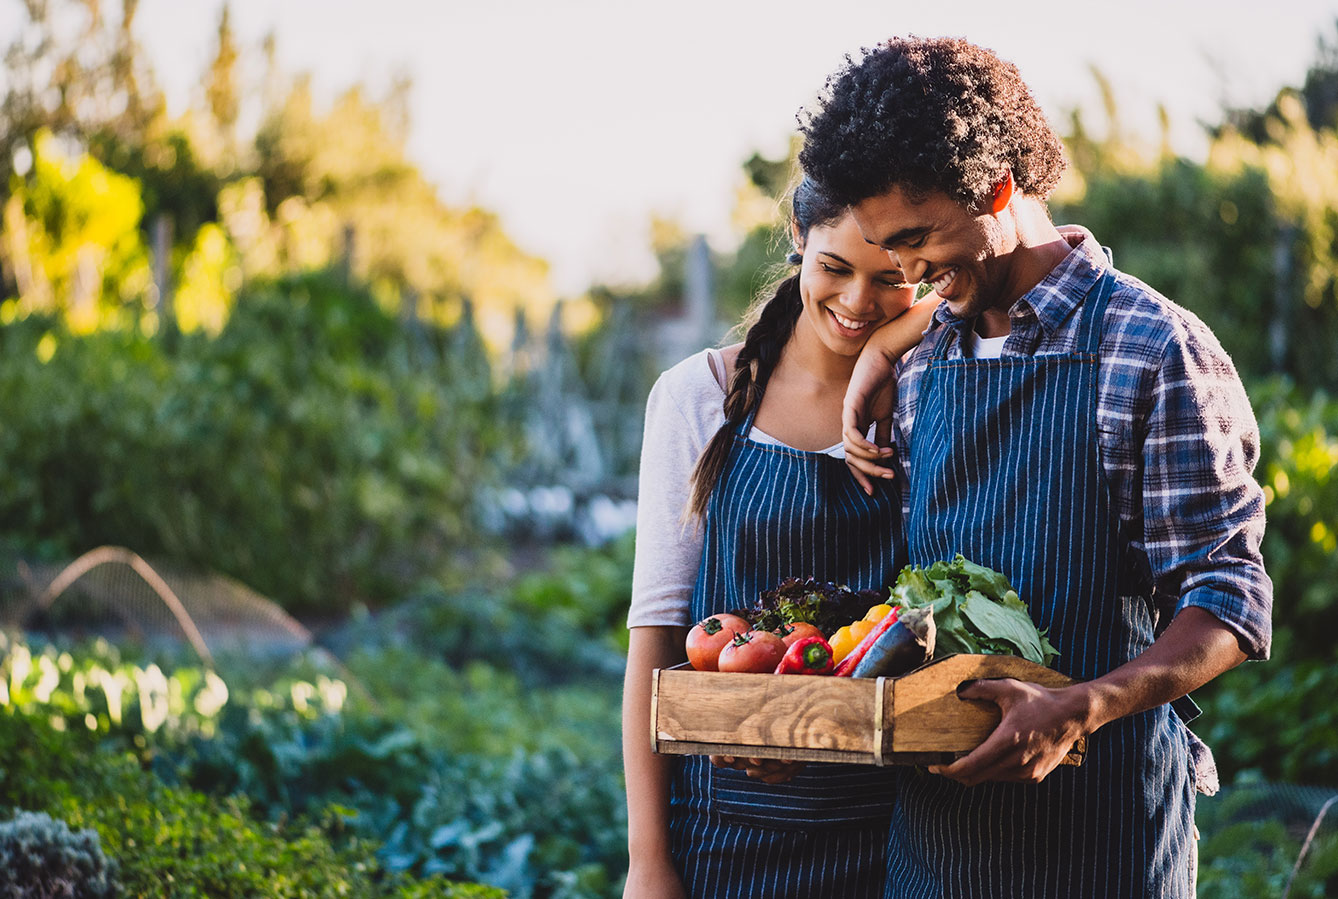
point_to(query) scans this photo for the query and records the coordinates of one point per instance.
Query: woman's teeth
(849, 322)
(942, 281)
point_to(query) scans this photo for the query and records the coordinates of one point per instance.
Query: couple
(1059, 421)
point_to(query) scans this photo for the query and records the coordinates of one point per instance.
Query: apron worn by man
(775, 513)
(1005, 469)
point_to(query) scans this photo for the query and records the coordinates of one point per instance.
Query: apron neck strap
(1094, 313)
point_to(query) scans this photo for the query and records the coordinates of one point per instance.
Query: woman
(754, 457)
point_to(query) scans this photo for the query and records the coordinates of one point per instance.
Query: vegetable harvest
(945, 608)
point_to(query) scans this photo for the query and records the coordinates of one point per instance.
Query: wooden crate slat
(930, 717)
(766, 710)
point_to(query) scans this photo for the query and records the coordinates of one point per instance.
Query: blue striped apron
(1006, 470)
(775, 513)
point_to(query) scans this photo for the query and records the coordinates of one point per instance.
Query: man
(1067, 425)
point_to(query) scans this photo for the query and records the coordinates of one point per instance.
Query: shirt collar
(1061, 291)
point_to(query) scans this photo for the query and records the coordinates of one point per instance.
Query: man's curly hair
(925, 115)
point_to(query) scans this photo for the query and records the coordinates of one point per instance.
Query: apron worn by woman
(775, 513)
(1006, 470)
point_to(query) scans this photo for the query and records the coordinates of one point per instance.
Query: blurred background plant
(262, 346)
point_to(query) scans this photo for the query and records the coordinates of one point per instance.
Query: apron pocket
(821, 795)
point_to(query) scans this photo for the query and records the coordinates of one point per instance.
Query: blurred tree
(349, 166)
(1318, 94)
(71, 237)
(221, 90)
(1248, 239)
(76, 72)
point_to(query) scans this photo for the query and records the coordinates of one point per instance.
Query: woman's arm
(871, 396)
(682, 412)
(651, 873)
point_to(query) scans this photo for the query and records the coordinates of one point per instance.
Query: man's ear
(1002, 194)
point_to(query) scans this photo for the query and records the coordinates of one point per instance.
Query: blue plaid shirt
(1177, 435)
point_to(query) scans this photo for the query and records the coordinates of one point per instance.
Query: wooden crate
(915, 719)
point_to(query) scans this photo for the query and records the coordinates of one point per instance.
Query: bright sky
(577, 120)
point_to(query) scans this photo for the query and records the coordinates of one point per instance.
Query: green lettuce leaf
(996, 621)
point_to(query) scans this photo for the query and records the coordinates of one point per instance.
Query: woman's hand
(772, 771)
(870, 400)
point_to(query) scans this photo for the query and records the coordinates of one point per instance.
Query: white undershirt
(986, 347)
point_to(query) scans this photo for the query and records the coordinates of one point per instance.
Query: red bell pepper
(848, 664)
(811, 655)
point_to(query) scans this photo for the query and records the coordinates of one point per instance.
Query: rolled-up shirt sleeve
(668, 549)
(1203, 511)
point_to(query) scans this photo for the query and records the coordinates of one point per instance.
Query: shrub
(315, 449)
(40, 856)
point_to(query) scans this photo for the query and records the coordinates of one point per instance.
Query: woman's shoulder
(692, 388)
(700, 377)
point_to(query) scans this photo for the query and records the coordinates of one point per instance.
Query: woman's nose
(860, 297)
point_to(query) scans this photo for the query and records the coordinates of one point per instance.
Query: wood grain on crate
(810, 718)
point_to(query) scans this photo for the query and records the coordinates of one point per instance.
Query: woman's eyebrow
(886, 271)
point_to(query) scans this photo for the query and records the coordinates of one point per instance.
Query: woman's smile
(850, 327)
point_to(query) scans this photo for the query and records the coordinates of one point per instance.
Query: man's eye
(918, 242)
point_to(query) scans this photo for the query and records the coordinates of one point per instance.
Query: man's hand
(772, 771)
(1040, 724)
(1039, 727)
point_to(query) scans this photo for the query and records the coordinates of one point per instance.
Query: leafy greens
(976, 610)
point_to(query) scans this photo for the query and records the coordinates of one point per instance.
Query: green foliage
(1252, 839)
(42, 856)
(315, 449)
(1275, 720)
(587, 588)
(1299, 453)
(440, 763)
(169, 841)
(1247, 240)
(74, 240)
(1209, 247)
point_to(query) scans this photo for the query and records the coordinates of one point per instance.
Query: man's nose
(912, 266)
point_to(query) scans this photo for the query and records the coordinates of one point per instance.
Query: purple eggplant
(904, 646)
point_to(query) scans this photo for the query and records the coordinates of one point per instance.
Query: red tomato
(709, 636)
(758, 652)
(792, 633)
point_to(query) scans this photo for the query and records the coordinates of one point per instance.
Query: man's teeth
(942, 281)
(850, 322)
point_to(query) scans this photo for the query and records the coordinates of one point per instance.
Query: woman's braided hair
(775, 318)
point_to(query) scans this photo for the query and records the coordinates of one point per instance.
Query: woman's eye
(832, 269)
(894, 284)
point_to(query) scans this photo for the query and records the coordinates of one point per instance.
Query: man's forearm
(1193, 650)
